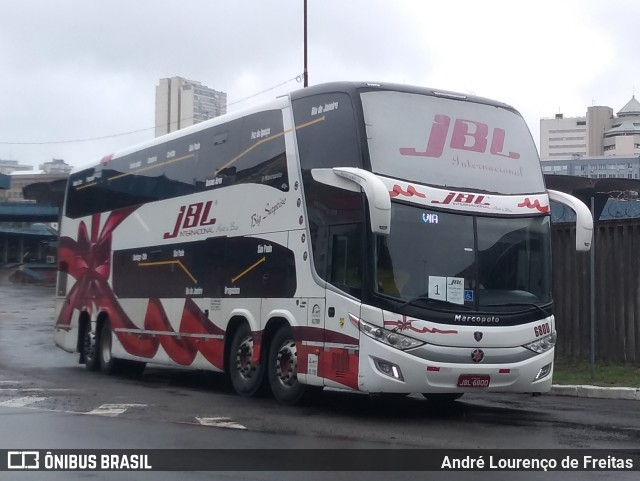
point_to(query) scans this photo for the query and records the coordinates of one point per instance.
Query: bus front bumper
(386, 369)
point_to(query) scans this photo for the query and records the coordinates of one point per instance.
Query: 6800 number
(542, 329)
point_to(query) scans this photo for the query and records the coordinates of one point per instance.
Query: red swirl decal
(410, 192)
(535, 205)
(406, 325)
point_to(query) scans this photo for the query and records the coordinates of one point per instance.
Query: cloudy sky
(72, 70)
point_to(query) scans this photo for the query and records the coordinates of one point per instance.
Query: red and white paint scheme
(467, 201)
(380, 238)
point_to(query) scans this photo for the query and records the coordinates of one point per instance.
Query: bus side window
(345, 268)
(218, 147)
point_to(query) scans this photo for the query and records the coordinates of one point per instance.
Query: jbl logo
(460, 198)
(192, 215)
(467, 135)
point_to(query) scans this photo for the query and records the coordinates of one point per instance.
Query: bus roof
(357, 87)
(276, 103)
(351, 87)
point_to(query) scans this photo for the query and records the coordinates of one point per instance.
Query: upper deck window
(250, 149)
(453, 143)
(326, 131)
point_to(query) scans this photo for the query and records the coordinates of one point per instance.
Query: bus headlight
(543, 372)
(543, 344)
(388, 368)
(385, 336)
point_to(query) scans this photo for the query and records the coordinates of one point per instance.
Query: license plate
(471, 380)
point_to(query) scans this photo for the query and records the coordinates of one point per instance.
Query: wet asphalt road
(43, 390)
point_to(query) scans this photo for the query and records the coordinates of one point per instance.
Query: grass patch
(607, 374)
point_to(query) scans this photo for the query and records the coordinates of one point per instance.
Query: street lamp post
(306, 72)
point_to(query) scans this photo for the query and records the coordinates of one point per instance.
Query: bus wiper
(431, 300)
(515, 304)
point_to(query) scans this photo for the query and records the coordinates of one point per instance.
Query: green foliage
(607, 374)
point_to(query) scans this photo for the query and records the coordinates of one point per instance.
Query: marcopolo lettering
(477, 319)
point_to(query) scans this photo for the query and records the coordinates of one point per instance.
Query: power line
(297, 78)
(51, 142)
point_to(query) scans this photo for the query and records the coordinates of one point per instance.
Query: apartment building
(181, 103)
(598, 133)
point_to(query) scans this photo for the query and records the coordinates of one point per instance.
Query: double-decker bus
(379, 238)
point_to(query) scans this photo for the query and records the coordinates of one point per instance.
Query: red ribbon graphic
(406, 325)
(88, 260)
(410, 192)
(535, 205)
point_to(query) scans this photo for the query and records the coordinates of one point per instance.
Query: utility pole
(306, 72)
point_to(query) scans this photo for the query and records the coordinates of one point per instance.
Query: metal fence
(613, 209)
(616, 323)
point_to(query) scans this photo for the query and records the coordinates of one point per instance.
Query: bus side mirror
(584, 219)
(357, 180)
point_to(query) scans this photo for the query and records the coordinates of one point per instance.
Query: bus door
(345, 274)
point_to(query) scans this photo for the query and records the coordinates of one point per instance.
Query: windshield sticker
(438, 288)
(455, 290)
(450, 289)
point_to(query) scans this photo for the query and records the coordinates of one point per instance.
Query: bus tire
(108, 364)
(90, 349)
(247, 378)
(282, 368)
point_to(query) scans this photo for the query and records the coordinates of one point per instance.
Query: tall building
(56, 166)
(9, 166)
(623, 136)
(599, 133)
(181, 103)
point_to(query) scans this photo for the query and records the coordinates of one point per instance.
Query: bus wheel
(90, 351)
(246, 376)
(442, 398)
(108, 364)
(283, 368)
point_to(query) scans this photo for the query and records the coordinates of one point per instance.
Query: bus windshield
(481, 263)
(450, 143)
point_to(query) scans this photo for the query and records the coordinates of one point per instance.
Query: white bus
(380, 238)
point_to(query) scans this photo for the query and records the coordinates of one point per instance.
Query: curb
(626, 393)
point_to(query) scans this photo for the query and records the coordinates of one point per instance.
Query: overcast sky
(81, 69)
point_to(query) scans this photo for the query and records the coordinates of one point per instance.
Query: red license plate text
(471, 380)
